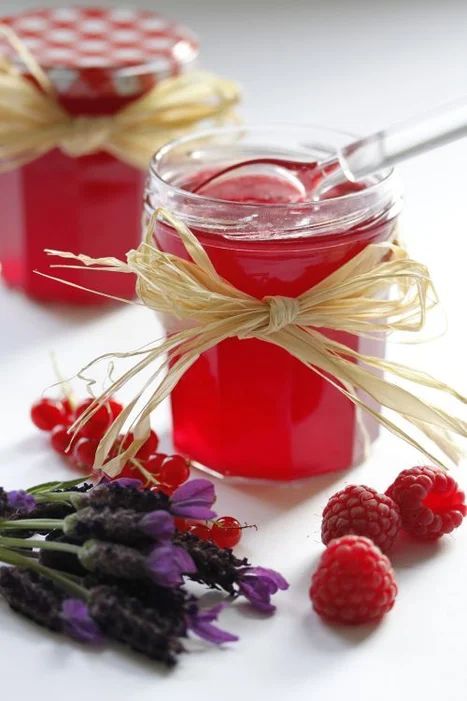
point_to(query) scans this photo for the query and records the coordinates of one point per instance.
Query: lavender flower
(194, 499)
(159, 525)
(120, 525)
(33, 596)
(113, 559)
(168, 563)
(113, 495)
(164, 565)
(257, 584)
(200, 622)
(20, 501)
(126, 619)
(129, 482)
(77, 622)
(216, 567)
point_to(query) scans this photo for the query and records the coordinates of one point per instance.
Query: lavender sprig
(165, 564)
(143, 628)
(115, 495)
(120, 525)
(219, 568)
(112, 563)
(216, 567)
(45, 603)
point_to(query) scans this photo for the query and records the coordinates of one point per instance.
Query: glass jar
(98, 60)
(248, 408)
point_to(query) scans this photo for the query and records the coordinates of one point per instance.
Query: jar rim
(380, 200)
(388, 178)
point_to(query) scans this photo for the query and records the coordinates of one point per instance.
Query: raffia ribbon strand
(32, 121)
(352, 299)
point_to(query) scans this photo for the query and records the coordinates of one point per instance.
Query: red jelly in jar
(248, 408)
(99, 60)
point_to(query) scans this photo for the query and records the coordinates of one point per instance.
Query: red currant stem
(41, 544)
(148, 475)
(229, 528)
(37, 523)
(64, 384)
(18, 560)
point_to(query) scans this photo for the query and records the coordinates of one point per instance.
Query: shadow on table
(29, 322)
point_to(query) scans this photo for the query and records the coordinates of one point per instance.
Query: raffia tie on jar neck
(379, 291)
(32, 121)
(86, 134)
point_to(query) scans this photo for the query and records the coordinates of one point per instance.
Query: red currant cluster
(157, 471)
(56, 417)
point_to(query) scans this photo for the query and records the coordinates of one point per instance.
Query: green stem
(35, 523)
(13, 558)
(41, 544)
(59, 497)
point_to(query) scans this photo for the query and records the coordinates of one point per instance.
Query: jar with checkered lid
(98, 61)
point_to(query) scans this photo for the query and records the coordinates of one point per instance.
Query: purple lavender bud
(20, 501)
(119, 525)
(159, 525)
(114, 560)
(200, 622)
(257, 584)
(216, 567)
(194, 499)
(115, 496)
(129, 482)
(168, 563)
(127, 619)
(77, 622)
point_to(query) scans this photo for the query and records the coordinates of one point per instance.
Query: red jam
(90, 204)
(247, 408)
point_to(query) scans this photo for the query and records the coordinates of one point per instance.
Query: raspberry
(354, 582)
(361, 510)
(430, 502)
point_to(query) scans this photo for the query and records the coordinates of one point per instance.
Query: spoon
(364, 157)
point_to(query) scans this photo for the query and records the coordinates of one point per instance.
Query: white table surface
(353, 65)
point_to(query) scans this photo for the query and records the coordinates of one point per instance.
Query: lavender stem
(41, 544)
(33, 523)
(14, 558)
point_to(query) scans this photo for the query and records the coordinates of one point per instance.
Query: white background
(352, 65)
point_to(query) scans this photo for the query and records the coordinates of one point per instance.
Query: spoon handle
(388, 147)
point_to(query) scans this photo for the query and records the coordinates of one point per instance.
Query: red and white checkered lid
(94, 51)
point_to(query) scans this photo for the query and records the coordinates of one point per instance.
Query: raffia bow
(353, 299)
(32, 121)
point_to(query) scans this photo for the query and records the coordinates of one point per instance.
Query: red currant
(60, 439)
(182, 525)
(175, 471)
(130, 470)
(226, 532)
(147, 449)
(98, 424)
(85, 452)
(47, 413)
(200, 531)
(67, 406)
(154, 463)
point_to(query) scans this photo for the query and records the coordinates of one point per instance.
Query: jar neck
(232, 220)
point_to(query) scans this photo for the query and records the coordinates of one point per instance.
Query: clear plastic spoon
(388, 147)
(364, 157)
